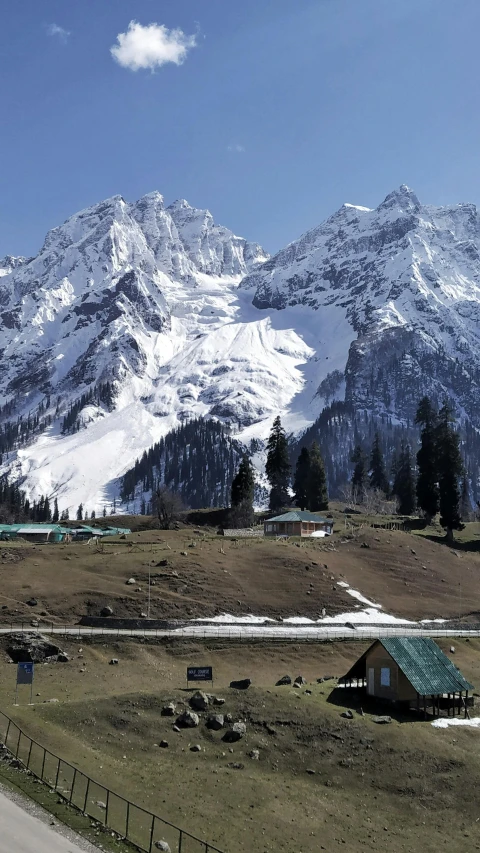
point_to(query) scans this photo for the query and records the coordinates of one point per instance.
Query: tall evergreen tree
(428, 497)
(378, 478)
(450, 469)
(359, 476)
(55, 515)
(404, 482)
(80, 512)
(465, 502)
(243, 484)
(317, 494)
(277, 467)
(300, 483)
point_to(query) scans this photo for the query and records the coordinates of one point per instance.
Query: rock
(162, 563)
(62, 657)
(162, 845)
(382, 720)
(412, 551)
(310, 771)
(242, 684)
(285, 679)
(175, 728)
(452, 650)
(32, 602)
(308, 692)
(217, 700)
(163, 744)
(199, 701)
(131, 582)
(237, 731)
(100, 804)
(196, 748)
(216, 722)
(113, 662)
(30, 646)
(299, 681)
(143, 616)
(169, 710)
(34, 623)
(254, 754)
(106, 611)
(188, 720)
(183, 553)
(364, 545)
(347, 714)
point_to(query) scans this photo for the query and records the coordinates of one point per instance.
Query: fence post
(86, 796)
(8, 729)
(106, 806)
(180, 841)
(58, 773)
(151, 834)
(29, 753)
(43, 763)
(73, 783)
(127, 820)
(18, 742)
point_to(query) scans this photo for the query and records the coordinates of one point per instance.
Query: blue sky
(280, 111)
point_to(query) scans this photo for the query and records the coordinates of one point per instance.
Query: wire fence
(131, 823)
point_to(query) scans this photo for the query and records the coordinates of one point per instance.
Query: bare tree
(167, 506)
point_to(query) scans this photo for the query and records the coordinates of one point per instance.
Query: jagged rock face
(405, 279)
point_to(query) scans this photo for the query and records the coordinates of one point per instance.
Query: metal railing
(131, 823)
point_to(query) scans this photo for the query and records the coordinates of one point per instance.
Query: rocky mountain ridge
(184, 319)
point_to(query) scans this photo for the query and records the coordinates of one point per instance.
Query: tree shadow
(456, 545)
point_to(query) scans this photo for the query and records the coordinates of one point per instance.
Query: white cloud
(151, 46)
(60, 32)
(236, 148)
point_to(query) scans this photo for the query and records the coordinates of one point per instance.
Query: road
(21, 832)
(261, 632)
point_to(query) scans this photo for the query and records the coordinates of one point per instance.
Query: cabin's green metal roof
(301, 515)
(428, 669)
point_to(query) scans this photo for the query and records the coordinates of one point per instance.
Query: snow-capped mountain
(184, 319)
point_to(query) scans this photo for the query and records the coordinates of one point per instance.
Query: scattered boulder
(364, 545)
(237, 731)
(452, 650)
(143, 616)
(131, 582)
(176, 728)
(106, 611)
(169, 710)
(62, 657)
(217, 700)
(34, 623)
(196, 748)
(162, 563)
(254, 754)
(242, 684)
(382, 720)
(285, 679)
(163, 744)
(299, 681)
(347, 714)
(113, 662)
(32, 602)
(199, 701)
(216, 722)
(100, 804)
(29, 646)
(310, 771)
(162, 845)
(183, 553)
(188, 720)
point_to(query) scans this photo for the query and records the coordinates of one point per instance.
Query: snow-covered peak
(403, 199)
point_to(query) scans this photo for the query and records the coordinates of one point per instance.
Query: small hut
(298, 523)
(411, 670)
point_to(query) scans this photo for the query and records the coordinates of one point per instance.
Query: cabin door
(371, 681)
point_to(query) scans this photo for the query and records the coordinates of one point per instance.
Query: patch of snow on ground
(358, 595)
(228, 619)
(445, 722)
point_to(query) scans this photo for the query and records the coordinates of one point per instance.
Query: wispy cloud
(58, 32)
(151, 46)
(236, 148)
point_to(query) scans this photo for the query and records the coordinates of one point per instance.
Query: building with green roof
(413, 670)
(298, 523)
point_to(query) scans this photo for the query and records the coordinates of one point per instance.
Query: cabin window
(269, 527)
(385, 676)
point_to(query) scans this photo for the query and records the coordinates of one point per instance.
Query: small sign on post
(25, 673)
(199, 673)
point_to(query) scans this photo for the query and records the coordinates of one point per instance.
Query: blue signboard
(199, 673)
(25, 673)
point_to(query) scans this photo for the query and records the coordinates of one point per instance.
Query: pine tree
(241, 513)
(80, 512)
(55, 515)
(465, 502)
(317, 494)
(92, 514)
(450, 469)
(277, 467)
(359, 476)
(302, 470)
(404, 482)
(428, 497)
(378, 478)
(104, 512)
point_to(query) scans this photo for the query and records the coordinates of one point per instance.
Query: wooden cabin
(411, 670)
(298, 523)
